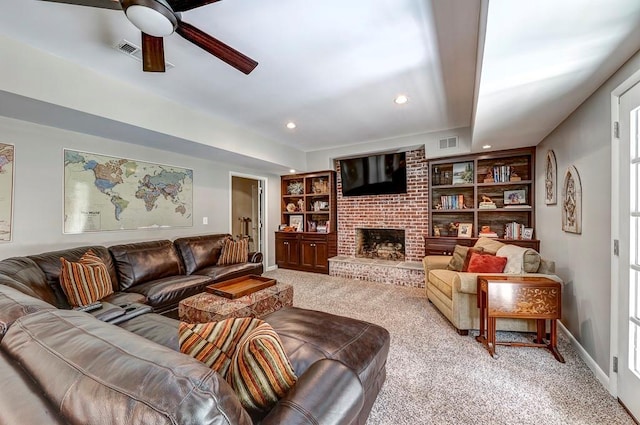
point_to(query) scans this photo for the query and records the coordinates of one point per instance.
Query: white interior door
(629, 288)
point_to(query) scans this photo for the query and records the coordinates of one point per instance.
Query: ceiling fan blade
(216, 47)
(152, 53)
(103, 4)
(183, 5)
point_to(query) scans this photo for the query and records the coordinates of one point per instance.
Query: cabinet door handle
(286, 243)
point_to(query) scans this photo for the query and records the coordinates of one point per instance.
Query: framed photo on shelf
(515, 197)
(297, 221)
(527, 233)
(463, 172)
(464, 230)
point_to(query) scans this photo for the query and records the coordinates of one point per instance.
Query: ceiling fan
(160, 18)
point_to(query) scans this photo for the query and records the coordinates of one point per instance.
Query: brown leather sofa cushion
(220, 273)
(200, 251)
(115, 368)
(166, 293)
(22, 401)
(23, 274)
(49, 262)
(15, 304)
(142, 262)
(362, 346)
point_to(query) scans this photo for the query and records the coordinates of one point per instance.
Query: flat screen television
(374, 174)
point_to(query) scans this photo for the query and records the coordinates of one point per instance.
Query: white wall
(323, 159)
(36, 74)
(584, 261)
(38, 191)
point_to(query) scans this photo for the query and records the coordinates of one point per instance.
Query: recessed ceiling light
(401, 100)
(291, 125)
(292, 171)
(486, 147)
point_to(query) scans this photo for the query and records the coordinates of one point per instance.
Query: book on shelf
(487, 206)
(487, 235)
(452, 202)
(513, 230)
(517, 206)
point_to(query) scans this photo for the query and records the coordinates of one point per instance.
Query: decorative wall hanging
(6, 191)
(572, 201)
(550, 179)
(107, 193)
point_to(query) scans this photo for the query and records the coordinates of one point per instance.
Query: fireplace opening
(384, 244)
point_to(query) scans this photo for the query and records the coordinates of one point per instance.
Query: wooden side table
(523, 297)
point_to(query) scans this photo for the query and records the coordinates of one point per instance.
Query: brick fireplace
(385, 244)
(407, 211)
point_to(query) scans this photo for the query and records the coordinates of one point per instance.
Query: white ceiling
(509, 70)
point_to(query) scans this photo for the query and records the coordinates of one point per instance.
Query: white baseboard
(597, 371)
(271, 268)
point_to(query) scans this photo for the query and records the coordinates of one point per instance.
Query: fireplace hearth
(384, 244)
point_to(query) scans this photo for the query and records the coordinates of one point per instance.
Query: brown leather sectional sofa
(59, 366)
(157, 273)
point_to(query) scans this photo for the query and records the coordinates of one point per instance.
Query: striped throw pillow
(86, 281)
(234, 252)
(214, 343)
(260, 371)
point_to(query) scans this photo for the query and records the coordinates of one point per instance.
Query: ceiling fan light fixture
(152, 17)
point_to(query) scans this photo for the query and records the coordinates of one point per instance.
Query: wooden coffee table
(524, 297)
(207, 307)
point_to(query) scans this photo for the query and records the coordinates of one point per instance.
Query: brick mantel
(399, 211)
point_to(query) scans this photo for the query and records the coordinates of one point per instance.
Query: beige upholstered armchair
(453, 292)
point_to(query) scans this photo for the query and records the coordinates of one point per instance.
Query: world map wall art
(104, 193)
(6, 191)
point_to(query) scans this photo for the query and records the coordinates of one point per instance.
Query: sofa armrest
(547, 267)
(435, 262)
(327, 393)
(255, 257)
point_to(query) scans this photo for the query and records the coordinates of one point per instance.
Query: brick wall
(406, 211)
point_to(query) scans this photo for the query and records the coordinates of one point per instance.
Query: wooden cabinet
(308, 205)
(304, 251)
(287, 250)
(493, 191)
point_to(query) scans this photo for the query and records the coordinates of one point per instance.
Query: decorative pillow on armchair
(486, 263)
(460, 258)
(519, 259)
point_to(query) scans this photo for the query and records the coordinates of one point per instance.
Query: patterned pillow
(486, 263)
(86, 281)
(234, 252)
(460, 257)
(214, 343)
(260, 371)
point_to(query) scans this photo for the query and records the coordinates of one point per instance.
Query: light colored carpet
(435, 376)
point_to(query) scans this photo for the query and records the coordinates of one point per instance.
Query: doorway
(627, 315)
(247, 210)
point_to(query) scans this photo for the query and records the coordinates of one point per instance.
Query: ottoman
(309, 336)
